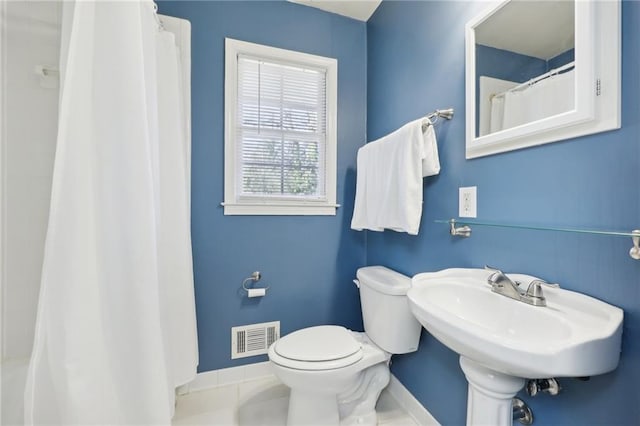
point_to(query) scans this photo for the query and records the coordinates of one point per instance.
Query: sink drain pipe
(550, 386)
(521, 411)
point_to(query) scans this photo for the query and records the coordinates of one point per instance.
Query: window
(280, 131)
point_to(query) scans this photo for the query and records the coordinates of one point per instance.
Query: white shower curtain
(497, 114)
(546, 98)
(115, 332)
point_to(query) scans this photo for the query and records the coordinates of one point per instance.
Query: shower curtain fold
(174, 238)
(115, 332)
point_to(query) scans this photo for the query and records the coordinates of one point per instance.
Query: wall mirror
(540, 72)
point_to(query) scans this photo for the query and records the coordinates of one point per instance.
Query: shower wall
(30, 39)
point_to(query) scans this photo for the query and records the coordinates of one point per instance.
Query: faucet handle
(491, 268)
(535, 288)
(495, 272)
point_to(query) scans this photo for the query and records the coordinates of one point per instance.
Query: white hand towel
(389, 179)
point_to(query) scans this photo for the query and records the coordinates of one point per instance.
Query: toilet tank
(388, 321)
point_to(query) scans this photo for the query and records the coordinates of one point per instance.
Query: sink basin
(574, 335)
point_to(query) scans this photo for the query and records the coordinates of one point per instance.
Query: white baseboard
(243, 373)
(227, 376)
(421, 415)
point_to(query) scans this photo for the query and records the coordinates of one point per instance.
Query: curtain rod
(538, 78)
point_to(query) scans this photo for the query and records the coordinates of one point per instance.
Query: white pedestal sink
(502, 341)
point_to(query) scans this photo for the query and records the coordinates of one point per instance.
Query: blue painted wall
(561, 59)
(507, 65)
(589, 182)
(308, 261)
(391, 70)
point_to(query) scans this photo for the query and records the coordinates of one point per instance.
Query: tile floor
(261, 402)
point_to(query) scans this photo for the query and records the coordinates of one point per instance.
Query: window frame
(270, 205)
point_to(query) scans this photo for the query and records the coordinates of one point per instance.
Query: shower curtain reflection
(545, 98)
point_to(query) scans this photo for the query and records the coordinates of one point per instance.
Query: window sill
(289, 209)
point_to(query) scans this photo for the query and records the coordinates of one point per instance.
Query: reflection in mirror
(525, 71)
(540, 72)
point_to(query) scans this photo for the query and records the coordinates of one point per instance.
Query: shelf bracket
(462, 231)
(465, 231)
(635, 250)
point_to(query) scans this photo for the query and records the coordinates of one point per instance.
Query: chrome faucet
(502, 284)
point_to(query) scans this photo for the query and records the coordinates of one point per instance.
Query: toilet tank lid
(384, 280)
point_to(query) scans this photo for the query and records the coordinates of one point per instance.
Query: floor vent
(253, 339)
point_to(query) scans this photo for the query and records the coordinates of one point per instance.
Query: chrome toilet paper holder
(255, 277)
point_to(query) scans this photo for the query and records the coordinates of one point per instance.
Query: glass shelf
(462, 228)
(470, 222)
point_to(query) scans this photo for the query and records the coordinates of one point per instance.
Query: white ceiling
(542, 29)
(356, 9)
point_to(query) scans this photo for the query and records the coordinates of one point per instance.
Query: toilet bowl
(336, 375)
(327, 373)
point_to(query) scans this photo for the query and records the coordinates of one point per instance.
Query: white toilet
(336, 375)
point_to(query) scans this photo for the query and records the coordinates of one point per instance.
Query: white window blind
(280, 133)
(281, 130)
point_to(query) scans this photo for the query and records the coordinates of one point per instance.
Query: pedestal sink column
(490, 394)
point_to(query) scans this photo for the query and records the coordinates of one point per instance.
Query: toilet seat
(324, 347)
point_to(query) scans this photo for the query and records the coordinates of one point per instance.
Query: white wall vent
(253, 339)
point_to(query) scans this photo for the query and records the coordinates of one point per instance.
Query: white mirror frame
(597, 79)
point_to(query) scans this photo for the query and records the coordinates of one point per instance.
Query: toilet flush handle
(357, 283)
